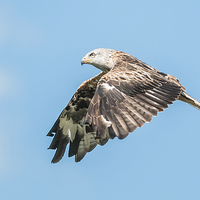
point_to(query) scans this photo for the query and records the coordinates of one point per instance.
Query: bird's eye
(92, 55)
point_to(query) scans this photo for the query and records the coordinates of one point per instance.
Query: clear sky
(41, 45)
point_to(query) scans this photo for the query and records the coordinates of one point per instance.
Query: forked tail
(188, 99)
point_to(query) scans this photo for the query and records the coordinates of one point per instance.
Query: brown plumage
(70, 127)
(114, 103)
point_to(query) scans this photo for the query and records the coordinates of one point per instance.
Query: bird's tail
(188, 99)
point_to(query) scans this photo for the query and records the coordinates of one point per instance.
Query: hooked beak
(82, 62)
(85, 61)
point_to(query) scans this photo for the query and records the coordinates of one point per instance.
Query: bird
(125, 95)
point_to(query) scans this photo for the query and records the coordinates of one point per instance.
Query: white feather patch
(108, 123)
(107, 86)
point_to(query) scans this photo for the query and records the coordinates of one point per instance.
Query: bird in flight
(125, 95)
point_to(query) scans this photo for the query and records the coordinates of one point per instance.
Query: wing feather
(127, 97)
(70, 128)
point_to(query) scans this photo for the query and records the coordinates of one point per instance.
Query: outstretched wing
(128, 96)
(70, 127)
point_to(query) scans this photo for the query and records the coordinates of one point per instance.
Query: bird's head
(100, 58)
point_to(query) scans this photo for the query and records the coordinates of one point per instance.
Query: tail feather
(188, 99)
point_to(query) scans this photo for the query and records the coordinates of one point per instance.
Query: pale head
(100, 58)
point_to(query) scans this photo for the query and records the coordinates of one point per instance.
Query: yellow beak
(85, 61)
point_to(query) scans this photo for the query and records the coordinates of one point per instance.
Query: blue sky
(41, 46)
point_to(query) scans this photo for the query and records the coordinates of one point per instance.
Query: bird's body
(114, 103)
